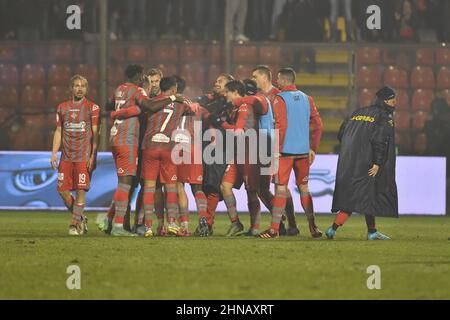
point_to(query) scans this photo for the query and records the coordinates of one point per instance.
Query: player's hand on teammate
(54, 161)
(113, 115)
(374, 170)
(180, 98)
(312, 156)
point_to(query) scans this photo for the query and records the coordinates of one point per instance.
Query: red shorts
(126, 159)
(285, 166)
(73, 176)
(192, 172)
(248, 173)
(158, 163)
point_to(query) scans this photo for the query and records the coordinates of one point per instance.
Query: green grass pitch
(35, 252)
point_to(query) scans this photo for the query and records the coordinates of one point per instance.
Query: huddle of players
(149, 108)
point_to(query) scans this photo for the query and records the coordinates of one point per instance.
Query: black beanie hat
(385, 93)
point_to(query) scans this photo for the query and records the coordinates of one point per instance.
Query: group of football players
(154, 126)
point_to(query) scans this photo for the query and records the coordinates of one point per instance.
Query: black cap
(250, 87)
(386, 93)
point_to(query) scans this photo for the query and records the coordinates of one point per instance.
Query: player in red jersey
(77, 123)
(129, 100)
(297, 152)
(263, 77)
(190, 169)
(245, 119)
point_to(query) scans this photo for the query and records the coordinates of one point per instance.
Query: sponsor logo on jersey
(160, 137)
(363, 118)
(95, 107)
(75, 127)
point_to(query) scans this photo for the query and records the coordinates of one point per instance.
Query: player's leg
(81, 183)
(64, 187)
(251, 179)
(204, 229)
(183, 204)
(78, 211)
(372, 232)
(289, 213)
(160, 208)
(341, 218)
(168, 176)
(226, 187)
(301, 169)
(281, 180)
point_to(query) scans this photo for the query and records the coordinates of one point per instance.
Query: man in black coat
(365, 176)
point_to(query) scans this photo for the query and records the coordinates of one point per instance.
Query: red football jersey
(126, 132)
(160, 126)
(76, 120)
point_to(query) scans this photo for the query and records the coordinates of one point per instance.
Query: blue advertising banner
(27, 182)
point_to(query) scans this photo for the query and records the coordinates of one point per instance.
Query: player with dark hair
(129, 100)
(77, 127)
(216, 104)
(262, 75)
(294, 113)
(365, 175)
(242, 119)
(190, 171)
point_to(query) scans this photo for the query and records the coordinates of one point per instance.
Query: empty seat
(165, 53)
(89, 72)
(245, 53)
(368, 77)
(56, 95)
(269, 54)
(420, 143)
(59, 75)
(404, 61)
(422, 77)
(422, 99)
(403, 142)
(9, 75)
(402, 120)
(395, 77)
(388, 57)
(32, 74)
(9, 98)
(443, 56)
(214, 71)
(137, 53)
(8, 52)
(116, 75)
(214, 53)
(168, 69)
(32, 98)
(446, 95)
(368, 55)
(242, 71)
(194, 74)
(425, 57)
(418, 120)
(117, 52)
(190, 52)
(31, 134)
(192, 92)
(61, 52)
(403, 102)
(93, 95)
(443, 78)
(366, 97)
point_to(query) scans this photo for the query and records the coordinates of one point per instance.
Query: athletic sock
(121, 202)
(370, 222)
(159, 205)
(289, 210)
(69, 201)
(184, 215)
(267, 199)
(211, 206)
(172, 203)
(254, 208)
(230, 202)
(340, 219)
(149, 205)
(111, 211)
(279, 204)
(77, 213)
(307, 204)
(201, 202)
